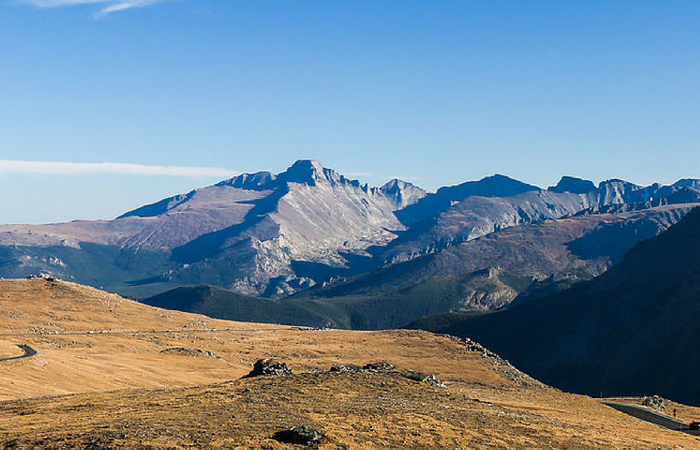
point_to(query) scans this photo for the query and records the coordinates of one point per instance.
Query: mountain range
(377, 256)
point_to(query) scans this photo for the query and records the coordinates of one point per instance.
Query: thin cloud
(358, 174)
(107, 6)
(71, 168)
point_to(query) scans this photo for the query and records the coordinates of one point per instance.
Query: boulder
(269, 366)
(301, 435)
(423, 378)
(654, 402)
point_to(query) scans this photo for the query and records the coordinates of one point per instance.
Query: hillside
(132, 376)
(630, 331)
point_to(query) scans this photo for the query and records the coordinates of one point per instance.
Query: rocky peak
(402, 193)
(253, 181)
(618, 191)
(573, 185)
(311, 172)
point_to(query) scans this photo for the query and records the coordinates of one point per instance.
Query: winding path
(28, 353)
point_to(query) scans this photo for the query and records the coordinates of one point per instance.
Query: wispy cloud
(72, 168)
(358, 174)
(106, 6)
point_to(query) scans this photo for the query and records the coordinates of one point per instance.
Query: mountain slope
(630, 331)
(533, 258)
(583, 246)
(245, 233)
(478, 215)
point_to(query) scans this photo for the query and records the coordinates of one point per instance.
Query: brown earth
(112, 373)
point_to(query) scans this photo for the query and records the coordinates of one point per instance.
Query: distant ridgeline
(328, 250)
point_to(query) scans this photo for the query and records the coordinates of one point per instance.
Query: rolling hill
(113, 373)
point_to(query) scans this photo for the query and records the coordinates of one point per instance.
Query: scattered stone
(380, 367)
(352, 368)
(192, 352)
(44, 276)
(424, 378)
(655, 402)
(268, 366)
(302, 435)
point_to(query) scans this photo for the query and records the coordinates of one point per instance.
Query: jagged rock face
(482, 213)
(402, 194)
(312, 214)
(433, 204)
(244, 233)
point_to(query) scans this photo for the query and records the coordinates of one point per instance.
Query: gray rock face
(402, 194)
(478, 215)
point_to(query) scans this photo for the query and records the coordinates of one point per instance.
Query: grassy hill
(113, 373)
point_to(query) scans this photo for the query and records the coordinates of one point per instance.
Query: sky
(106, 105)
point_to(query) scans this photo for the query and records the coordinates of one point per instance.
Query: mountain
(402, 194)
(481, 212)
(273, 235)
(258, 233)
(514, 264)
(433, 204)
(573, 185)
(631, 330)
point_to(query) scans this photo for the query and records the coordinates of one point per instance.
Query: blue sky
(437, 92)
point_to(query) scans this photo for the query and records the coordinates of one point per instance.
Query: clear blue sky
(438, 92)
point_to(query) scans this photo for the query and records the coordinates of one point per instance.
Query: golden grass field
(112, 373)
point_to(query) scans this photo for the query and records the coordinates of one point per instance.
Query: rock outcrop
(269, 367)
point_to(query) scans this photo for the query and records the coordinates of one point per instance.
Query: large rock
(269, 366)
(301, 435)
